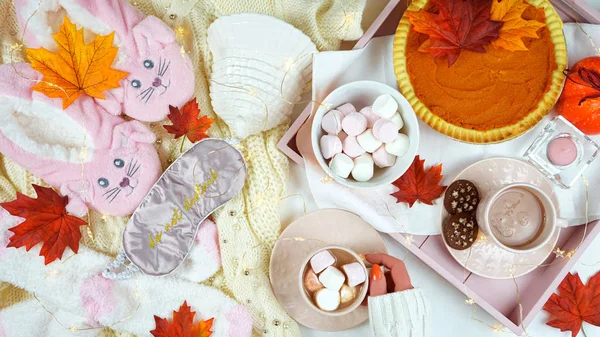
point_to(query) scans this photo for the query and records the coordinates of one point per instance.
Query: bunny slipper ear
(85, 299)
(37, 17)
(78, 192)
(128, 134)
(204, 259)
(152, 33)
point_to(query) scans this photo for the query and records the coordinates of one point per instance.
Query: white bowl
(362, 94)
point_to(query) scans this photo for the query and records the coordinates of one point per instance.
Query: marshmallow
(332, 278)
(321, 260)
(341, 165)
(355, 273)
(368, 142)
(354, 124)
(347, 294)
(332, 122)
(382, 158)
(385, 106)
(351, 148)
(396, 118)
(346, 109)
(311, 281)
(327, 299)
(330, 146)
(370, 115)
(399, 146)
(385, 130)
(363, 168)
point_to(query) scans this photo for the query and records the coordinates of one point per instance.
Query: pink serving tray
(497, 297)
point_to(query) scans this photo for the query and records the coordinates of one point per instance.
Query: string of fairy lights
(183, 33)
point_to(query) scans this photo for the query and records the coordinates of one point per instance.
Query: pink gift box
(497, 297)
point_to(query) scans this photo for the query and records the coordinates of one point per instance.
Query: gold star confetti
(252, 91)
(409, 239)
(470, 301)
(570, 254)
(326, 180)
(559, 253)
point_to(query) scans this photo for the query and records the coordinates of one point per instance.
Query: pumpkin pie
(483, 97)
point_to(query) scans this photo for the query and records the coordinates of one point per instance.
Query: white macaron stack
(356, 142)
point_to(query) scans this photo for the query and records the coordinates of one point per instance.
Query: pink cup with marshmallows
(343, 256)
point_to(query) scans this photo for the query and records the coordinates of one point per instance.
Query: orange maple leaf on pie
(419, 185)
(514, 27)
(187, 123)
(76, 67)
(454, 26)
(47, 221)
(182, 325)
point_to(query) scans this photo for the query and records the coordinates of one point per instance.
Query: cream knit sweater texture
(249, 224)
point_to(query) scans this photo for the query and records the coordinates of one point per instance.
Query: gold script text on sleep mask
(162, 230)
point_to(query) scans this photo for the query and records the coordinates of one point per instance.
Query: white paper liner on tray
(374, 62)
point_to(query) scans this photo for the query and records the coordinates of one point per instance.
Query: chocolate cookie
(460, 231)
(461, 197)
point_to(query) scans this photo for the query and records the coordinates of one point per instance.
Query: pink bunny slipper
(160, 74)
(113, 171)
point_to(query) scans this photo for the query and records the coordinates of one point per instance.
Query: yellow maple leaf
(76, 67)
(515, 27)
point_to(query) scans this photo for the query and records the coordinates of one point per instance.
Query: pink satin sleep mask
(161, 231)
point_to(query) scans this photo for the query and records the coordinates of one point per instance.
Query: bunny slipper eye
(148, 64)
(136, 83)
(119, 162)
(103, 182)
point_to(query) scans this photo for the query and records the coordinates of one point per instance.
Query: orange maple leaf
(187, 123)
(77, 67)
(514, 27)
(182, 325)
(419, 185)
(47, 221)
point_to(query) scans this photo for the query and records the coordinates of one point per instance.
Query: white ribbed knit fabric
(249, 224)
(400, 314)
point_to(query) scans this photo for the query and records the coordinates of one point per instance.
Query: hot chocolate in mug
(519, 218)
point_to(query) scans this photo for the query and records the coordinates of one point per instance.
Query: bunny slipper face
(160, 72)
(119, 180)
(161, 75)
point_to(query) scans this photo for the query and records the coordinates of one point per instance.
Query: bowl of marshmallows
(365, 134)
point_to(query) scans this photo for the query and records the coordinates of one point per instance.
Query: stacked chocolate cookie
(461, 200)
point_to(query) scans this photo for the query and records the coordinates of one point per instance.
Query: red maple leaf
(419, 185)
(182, 325)
(576, 304)
(454, 26)
(47, 221)
(186, 122)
